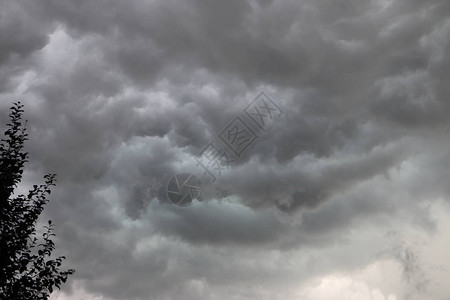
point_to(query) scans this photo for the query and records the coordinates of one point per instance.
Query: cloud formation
(121, 96)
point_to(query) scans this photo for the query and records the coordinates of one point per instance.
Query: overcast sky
(343, 194)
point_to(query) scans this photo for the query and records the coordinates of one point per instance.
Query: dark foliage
(27, 270)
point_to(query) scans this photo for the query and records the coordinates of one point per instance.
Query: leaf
(23, 271)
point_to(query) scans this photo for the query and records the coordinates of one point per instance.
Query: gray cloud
(122, 96)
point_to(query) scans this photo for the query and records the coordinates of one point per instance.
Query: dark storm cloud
(21, 34)
(120, 96)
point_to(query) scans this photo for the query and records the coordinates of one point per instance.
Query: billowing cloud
(121, 96)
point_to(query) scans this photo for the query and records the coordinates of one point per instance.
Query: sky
(342, 193)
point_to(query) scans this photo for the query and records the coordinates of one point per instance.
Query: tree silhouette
(26, 268)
